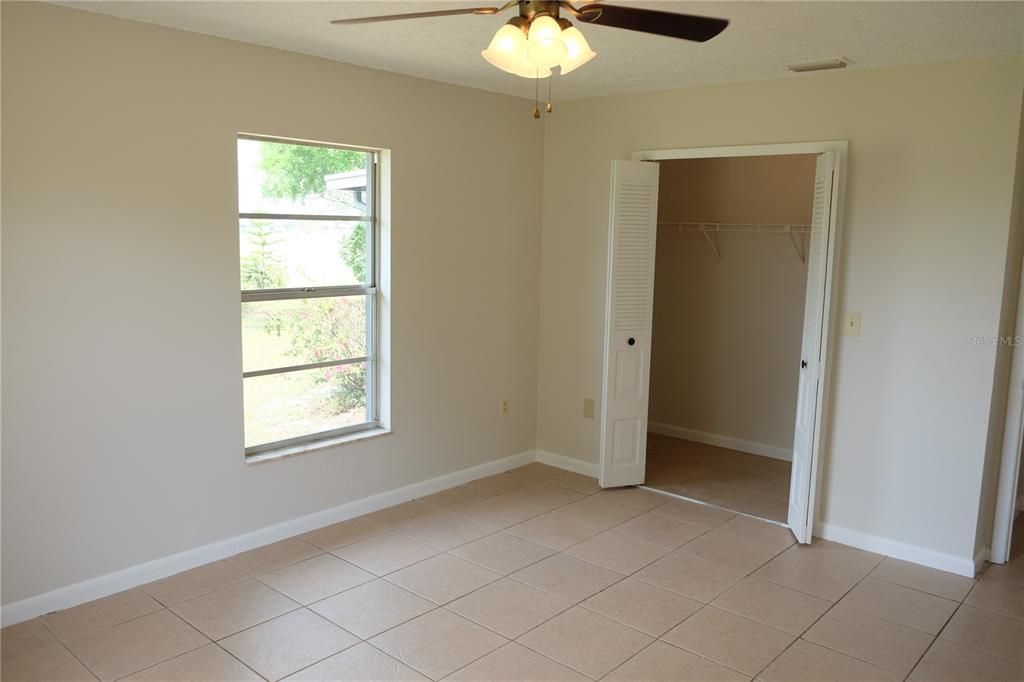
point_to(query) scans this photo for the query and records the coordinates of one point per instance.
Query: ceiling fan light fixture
(545, 47)
(538, 40)
(507, 51)
(578, 51)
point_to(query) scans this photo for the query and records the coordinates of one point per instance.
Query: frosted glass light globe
(578, 50)
(507, 50)
(544, 46)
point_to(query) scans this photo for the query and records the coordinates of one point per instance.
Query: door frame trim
(1008, 489)
(830, 326)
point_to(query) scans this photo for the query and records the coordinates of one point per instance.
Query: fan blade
(420, 15)
(685, 26)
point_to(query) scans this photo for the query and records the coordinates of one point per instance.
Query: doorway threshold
(713, 506)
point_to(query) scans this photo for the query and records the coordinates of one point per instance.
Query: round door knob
(631, 341)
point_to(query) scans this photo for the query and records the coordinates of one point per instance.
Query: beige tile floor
(535, 574)
(736, 480)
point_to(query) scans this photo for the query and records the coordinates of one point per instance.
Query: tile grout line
(249, 577)
(462, 667)
(501, 577)
(896, 622)
(320, 660)
(307, 606)
(174, 658)
(829, 610)
(749, 575)
(974, 648)
(286, 565)
(813, 623)
(711, 603)
(936, 637)
(68, 649)
(67, 646)
(407, 665)
(168, 606)
(188, 625)
(627, 576)
(660, 638)
(434, 604)
(247, 667)
(571, 604)
(704, 605)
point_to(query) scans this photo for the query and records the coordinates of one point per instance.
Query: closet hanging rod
(781, 228)
(711, 230)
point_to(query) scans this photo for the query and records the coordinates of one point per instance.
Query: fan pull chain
(536, 95)
(550, 78)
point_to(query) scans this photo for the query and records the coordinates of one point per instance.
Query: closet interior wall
(726, 338)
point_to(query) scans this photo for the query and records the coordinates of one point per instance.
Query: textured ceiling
(762, 38)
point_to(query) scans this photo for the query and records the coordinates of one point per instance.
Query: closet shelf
(710, 231)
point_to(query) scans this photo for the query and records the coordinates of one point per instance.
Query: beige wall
(726, 341)
(122, 421)
(923, 254)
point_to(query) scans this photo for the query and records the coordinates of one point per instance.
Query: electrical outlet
(588, 408)
(503, 408)
(851, 325)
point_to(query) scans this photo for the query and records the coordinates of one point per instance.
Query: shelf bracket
(711, 235)
(798, 243)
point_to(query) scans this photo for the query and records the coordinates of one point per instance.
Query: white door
(633, 226)
(812, 353)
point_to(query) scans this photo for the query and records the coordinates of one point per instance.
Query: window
(307, 232)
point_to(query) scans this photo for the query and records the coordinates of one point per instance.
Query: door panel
(633, 222)
(625, 438)
(628, 370)
(806, 433)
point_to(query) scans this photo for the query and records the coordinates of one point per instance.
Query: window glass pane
(293, 404)
(284, 254)
(303, 331)
(275, 177)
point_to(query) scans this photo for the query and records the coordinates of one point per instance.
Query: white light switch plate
(851, 326)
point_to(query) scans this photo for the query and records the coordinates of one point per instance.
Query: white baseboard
(750, 446)
(966, 566)
(134, 576)
(568, 463)
(980, 558)
(140, 574)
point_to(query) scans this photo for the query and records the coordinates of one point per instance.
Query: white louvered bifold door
(805, 435)
(632, 230)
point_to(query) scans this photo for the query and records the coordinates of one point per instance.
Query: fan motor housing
(528, 9)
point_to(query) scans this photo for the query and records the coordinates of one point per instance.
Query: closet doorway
(729, 292)
(724, 374)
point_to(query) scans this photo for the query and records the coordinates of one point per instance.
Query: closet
(729, 293)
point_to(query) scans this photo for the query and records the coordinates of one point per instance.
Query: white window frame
(370, 289)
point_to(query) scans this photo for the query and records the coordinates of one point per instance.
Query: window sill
(292, 450)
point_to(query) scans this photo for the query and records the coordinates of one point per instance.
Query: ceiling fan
(532, 44)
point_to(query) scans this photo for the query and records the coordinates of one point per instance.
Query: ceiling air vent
(819, 65)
